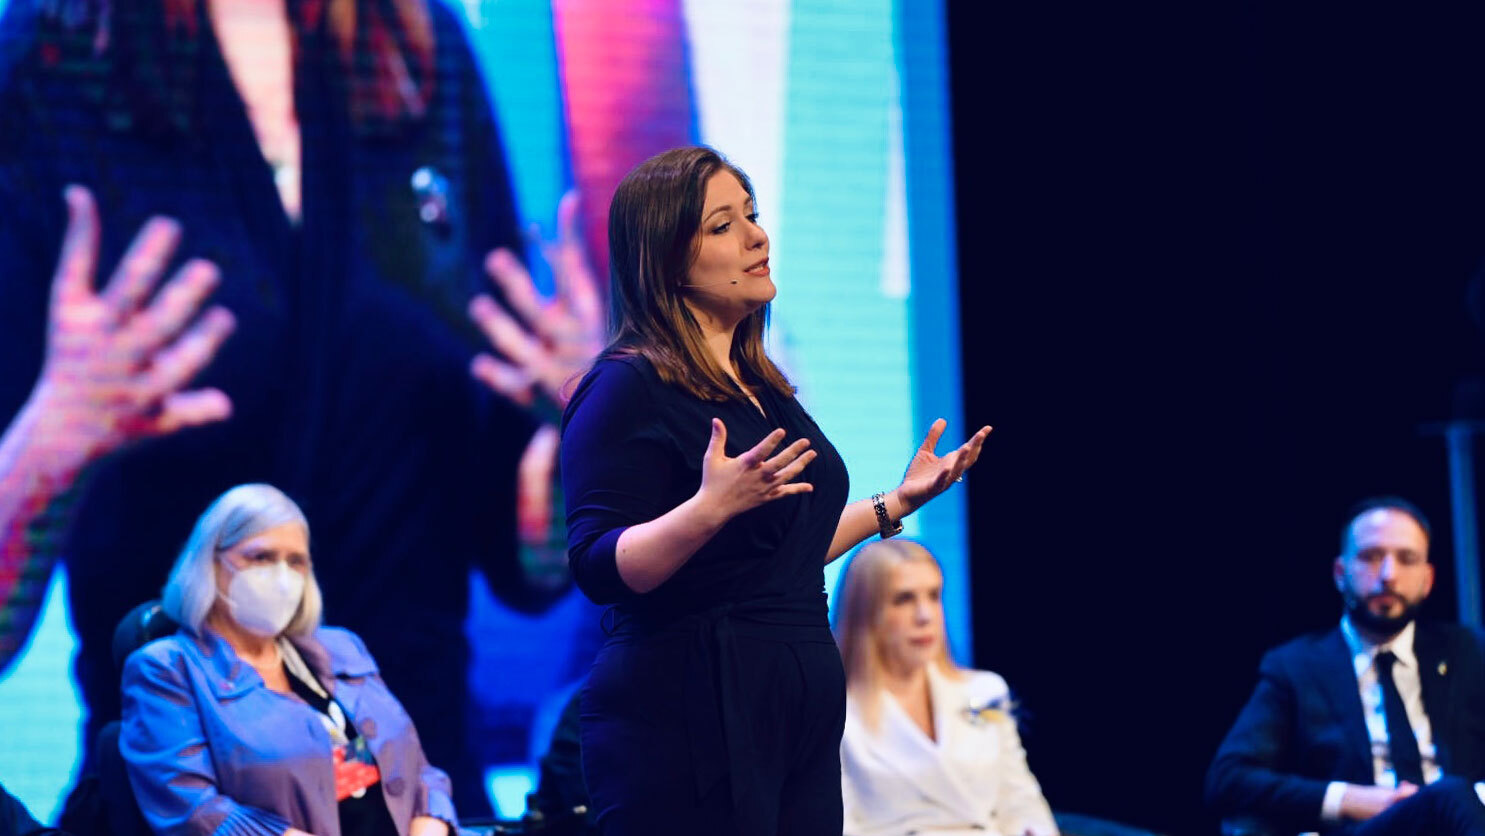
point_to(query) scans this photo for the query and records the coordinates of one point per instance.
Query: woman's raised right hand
(731, 486)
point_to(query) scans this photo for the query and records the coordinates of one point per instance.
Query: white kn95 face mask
(263, 599)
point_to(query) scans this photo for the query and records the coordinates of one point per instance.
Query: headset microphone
(711, 284)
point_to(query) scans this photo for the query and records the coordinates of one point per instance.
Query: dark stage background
(1214, 260)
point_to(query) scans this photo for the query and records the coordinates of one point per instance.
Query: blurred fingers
(195, 408)
(576, 282)
(505, 334)
(140, 267)
(582, 295)
(507, 380)
(175, 365)
(79, 256)
(515, 283)
(175, 305)
(569, 217)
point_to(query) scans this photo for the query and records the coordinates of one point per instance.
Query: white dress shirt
(1409, 684)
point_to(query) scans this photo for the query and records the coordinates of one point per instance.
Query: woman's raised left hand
(929, 474)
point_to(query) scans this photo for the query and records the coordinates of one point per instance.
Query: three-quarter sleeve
(617, 468)
(435, 796)
(168, 763)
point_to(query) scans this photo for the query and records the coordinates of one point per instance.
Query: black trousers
(639, 757)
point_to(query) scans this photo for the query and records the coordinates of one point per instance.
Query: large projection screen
(839, 113)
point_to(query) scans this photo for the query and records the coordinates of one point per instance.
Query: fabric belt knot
(721, 743)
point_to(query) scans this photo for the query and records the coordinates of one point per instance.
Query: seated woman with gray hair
(256, 720)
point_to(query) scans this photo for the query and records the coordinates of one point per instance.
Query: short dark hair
(1390, 503)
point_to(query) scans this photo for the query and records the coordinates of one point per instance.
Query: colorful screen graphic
(839, 113)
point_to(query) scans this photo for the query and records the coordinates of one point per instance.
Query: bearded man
(1374, 727)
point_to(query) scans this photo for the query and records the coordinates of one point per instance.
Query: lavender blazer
(211, 750)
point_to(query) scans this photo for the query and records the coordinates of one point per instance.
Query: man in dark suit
(1374, 727)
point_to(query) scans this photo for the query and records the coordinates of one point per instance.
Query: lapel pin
(978, 714)
(1443, 668)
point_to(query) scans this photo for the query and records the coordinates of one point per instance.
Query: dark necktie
(1406, 762)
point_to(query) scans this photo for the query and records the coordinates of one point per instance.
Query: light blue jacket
(211, 750)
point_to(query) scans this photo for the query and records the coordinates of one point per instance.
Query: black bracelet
(885, 523)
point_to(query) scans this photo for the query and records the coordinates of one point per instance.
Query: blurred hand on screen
(548, 342)
(118, 361)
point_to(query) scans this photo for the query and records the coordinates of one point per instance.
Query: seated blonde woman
(255, 720)
(929, 747)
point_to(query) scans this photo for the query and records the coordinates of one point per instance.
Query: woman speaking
(703, 504)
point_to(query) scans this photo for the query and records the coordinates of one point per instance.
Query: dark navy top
(632, 448)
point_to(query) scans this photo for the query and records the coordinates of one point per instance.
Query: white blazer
(973, 780)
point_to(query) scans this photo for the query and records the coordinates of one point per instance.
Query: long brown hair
(653, 222)
(860, 601)
(144, 56)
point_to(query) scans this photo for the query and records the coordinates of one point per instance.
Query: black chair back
(139, 627)
(142, 625)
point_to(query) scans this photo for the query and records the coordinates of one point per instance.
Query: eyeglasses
(263, 557)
